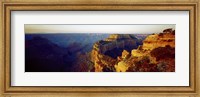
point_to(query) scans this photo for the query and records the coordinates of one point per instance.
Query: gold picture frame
(120, 5)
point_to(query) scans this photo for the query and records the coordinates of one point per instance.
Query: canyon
(100, 52)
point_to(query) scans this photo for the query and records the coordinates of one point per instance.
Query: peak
(113, 37)
(119, 36)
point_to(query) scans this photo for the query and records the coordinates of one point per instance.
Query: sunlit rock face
(126, 53)
(156, 54)
(160, 40)
(105, 52)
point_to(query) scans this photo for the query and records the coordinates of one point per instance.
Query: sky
(94, 28)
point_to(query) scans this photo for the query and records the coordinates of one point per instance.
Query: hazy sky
(40, 28)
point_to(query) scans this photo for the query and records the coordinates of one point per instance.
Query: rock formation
(105, 52)
(156, 54)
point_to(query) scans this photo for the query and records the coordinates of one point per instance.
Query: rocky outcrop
(115, 41)
(160, 40)
(104, 49)
(157, 54)
(167, 37)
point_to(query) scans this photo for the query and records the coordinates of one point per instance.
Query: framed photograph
(100, 48)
